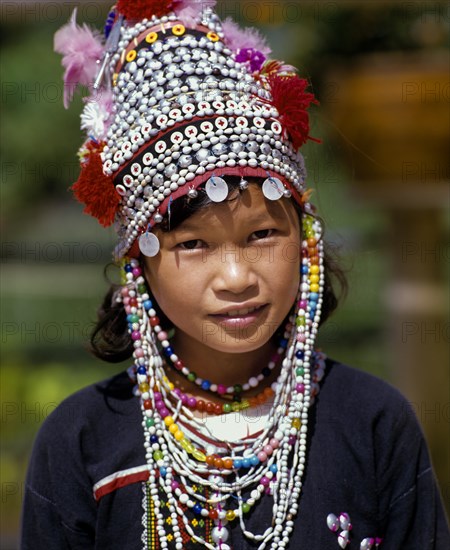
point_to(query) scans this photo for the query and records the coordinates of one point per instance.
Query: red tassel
(291, 101)
(143, 9)
(95, 190)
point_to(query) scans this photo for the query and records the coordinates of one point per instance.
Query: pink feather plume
(81, 48)
(237, 38)
(189, 11)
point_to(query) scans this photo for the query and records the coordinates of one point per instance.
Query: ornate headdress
(179, 99)
(179, 102)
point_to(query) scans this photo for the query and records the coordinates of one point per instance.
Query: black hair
(110, 340)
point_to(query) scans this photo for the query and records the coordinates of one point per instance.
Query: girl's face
(229, 274)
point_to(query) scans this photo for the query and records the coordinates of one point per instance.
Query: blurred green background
(380, 70)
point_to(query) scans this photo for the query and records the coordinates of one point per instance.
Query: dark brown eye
(190, 245)
(263, 233)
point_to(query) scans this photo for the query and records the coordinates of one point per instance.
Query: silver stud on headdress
(243, 184)
(192, 193)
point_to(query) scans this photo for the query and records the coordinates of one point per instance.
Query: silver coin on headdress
(149, 244)
(216, 189)
(273, 189)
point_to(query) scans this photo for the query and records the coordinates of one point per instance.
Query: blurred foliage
(38, 138)
(385, 26)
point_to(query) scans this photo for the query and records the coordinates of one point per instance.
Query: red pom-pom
(291, 101)
(95, 190)
(143, 9)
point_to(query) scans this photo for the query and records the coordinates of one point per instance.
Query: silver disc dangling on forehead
(216, 189)
(273, 189)
(149, 244)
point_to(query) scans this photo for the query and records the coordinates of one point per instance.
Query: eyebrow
(260, 218)
(186, 226)
(267, 215)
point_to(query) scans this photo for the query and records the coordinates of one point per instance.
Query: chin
(234, 345)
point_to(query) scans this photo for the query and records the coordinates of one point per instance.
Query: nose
(235, 272)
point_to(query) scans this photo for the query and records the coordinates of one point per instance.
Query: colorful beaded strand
(287, 431)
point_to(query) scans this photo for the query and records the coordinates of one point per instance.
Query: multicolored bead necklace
(235, 390)
(271, 462)
(205, 406)
(163, 338)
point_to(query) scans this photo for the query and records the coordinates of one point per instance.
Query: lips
(240, 318)
(239, 312)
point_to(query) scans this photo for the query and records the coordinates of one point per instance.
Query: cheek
(287, 276)
(292, 281)
(157, 280)
(166, 302)
(287, 261)
(173, 290)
